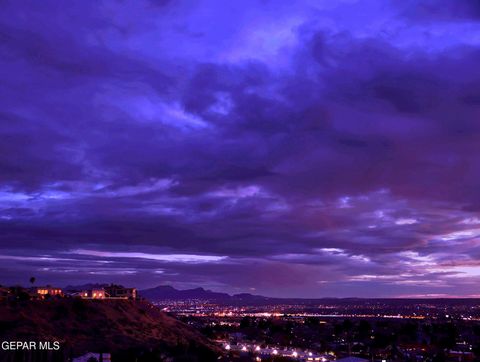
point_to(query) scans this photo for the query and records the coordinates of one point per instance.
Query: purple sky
(315, 148)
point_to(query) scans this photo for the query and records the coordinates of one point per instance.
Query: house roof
(352, 359)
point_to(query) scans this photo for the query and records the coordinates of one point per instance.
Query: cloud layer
(297, 149)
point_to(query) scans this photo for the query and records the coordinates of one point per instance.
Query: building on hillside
(89, 357)
(461, 355)
(111, 291)
(48, 290)
(352, 359)
(120, 292)
(97, 293)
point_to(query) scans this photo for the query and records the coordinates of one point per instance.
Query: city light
(229, 318)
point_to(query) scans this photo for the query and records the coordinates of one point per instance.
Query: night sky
(315, 148)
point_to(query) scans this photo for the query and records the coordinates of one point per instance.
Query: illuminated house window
(51, 291)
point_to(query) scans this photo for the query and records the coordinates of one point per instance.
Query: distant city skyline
(287, 149)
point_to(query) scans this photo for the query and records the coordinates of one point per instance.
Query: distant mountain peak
(164, 292)
(164, 287)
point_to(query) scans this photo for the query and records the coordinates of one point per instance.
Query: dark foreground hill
(130, 330)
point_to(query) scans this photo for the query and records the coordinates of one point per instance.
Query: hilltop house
(48, 290)
(111, 291)
(120, 292)
(97, 293)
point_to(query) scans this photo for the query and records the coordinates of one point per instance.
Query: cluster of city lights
(274, 352)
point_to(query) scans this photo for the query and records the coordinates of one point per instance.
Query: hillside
(127, 329)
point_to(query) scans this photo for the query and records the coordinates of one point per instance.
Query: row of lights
(46, 291)
(275, 351)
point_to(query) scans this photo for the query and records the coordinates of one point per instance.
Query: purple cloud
(290, 149)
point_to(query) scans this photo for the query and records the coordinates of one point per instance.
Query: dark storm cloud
(303, 151)
(443, 10)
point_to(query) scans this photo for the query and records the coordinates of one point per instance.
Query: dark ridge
(130, 330)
